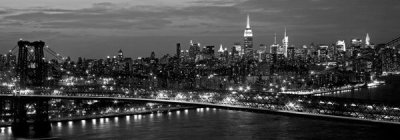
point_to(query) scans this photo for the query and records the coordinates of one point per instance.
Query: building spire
(221, 49)
(285, 31)
(275, 39)
(367, 40)
(248, 22)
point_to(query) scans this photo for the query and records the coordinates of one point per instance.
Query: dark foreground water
(213, 124)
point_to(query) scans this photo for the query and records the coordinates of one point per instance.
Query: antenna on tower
(285, 31)
(248, 22)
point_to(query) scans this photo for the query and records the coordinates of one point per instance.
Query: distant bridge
(395, 43)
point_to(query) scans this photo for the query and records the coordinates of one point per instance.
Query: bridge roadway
(218, 105)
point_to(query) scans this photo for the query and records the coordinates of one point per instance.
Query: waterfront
(211, 123)
(389, 92)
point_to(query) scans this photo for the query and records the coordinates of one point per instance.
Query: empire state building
(248, 38)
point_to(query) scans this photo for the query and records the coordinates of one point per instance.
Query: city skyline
(133, 27)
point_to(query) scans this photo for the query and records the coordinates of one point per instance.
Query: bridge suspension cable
(54, 54)
(12, 51)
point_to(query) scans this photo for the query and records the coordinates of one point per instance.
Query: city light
(38, 83)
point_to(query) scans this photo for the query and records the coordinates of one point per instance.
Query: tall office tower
(341, 45)
(239, 49)
(274, 47)
(285, 44)
(248, 38)
(178, 50)
(221, 49)
(356, 42)
(153, 55)
(120, 55)
(194, 49)
(263, 48)
(209, 51)
(367, 40)
(291, 53)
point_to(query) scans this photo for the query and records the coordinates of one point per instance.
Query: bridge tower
(31, 71)
(31, 64)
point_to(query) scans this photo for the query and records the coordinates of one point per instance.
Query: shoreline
(163, 110)
(246, 109)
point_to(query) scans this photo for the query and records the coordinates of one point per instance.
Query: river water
(210, 123)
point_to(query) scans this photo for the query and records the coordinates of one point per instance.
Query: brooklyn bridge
(25, 104)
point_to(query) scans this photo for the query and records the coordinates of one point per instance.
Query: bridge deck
(215, 105)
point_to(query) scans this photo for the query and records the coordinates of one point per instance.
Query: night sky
(95, 29)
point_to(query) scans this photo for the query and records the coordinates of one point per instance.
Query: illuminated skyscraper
(367, 40)
(285, 44)
(341, 45)
(221, 49)
(238, 49)
(274, 47)
(248, 37)
(120, 55)
(194, 49)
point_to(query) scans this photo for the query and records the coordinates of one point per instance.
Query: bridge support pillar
(42, 125)
(20, 126)
(39, 121)
(2, 111)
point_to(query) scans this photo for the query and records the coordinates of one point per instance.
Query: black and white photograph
(199, 69)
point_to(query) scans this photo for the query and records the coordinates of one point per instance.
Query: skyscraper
(285, 44)
(274, 47)
(367, 40)
(120, 54)
(194, 50)
(248, 38)
(209, 51)
(178, 50)
(341, 45)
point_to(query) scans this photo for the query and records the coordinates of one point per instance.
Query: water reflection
(128, 119)
(9, 131)
(83, 122)
(70, 124)
(59, 124)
